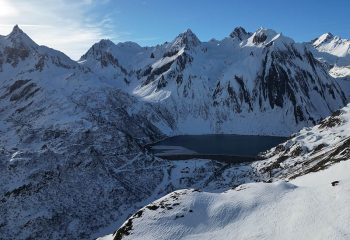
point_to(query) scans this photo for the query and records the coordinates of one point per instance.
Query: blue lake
(214, 145)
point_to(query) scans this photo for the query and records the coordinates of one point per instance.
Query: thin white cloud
(7, 10)
(66, 25)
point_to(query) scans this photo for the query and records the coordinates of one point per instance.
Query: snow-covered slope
(335, 49)
(20, 52)
(305, 195)
(335, 53)
(308, 207)
(311, 149)
(70, 146)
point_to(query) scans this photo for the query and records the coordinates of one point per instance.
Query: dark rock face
(278, 84)
(334, 183)
(178, 65)
(156, 72)
(240, 33)
(244, 95)
(275, 86)
(26, 92)
(14, 55)
(259, 38)
(330, 122)
(161, 83)
(17, 84)
(104, 57)
(20, 90)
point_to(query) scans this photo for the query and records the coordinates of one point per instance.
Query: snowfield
(308, 207)
(311, 149)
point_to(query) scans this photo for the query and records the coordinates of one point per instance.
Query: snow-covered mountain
(334, 49)
(223, 85)
(72, 159)
(335, 53)
(20, 52)
(304, 196)
(70, 145)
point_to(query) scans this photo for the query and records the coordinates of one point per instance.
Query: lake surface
(216, 146)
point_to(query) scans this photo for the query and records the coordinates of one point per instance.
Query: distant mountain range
(72, 133)
(224, 85)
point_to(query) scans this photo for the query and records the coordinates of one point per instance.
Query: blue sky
(73, 26)
(158, 21)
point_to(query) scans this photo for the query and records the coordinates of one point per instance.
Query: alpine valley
(73, 135)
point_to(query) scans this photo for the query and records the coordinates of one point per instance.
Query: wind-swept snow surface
(309, 207)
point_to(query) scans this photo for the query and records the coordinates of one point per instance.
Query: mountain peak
(102, 46)
(104, 43)
(265, 37)
(17, 36)
(329, 34)
(240, 33)
(186, 39)
(267, 31)
(188, 32)
(16, 30)
(129, 44)
(334, 46)
(326, 37)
